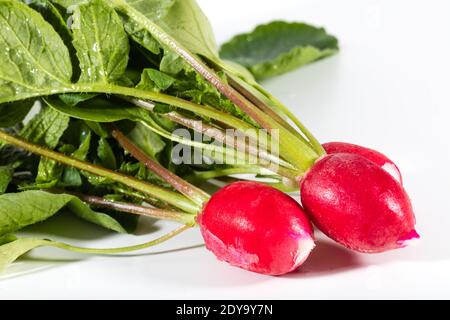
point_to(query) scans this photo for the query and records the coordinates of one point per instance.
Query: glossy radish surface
(257, 228)
(358, 204)
(370, 154)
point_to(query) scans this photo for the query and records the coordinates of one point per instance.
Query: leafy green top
(279, 47)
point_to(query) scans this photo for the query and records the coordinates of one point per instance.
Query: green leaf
(14, 248)
(155, 80)
(46, 128)
(6, 174)
(19, 210)
(34, 59)
(101, 42)
(13, 113)
(279, 47)
(146, 140)
(71, 177)
(106, 155)
(82, 152)
(187, 23)
(53, 14)
(98, 110)
(49, 174)
(83, 211)
(152, 9)
(172, 63)
(73, 99)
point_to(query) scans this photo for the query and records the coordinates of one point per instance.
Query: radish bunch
(348, 194)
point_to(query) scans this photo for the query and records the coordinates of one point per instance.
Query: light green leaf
(34, 59)
(146, 140)
(155, 9)
(14, 248)
(187, 23)
(19, 210)
(172, 63)
(49, 174)
(101, 42)
(54, 16)
(14, 113)
(6, 174)
(46, 128)
(154, 80)
(279, 47)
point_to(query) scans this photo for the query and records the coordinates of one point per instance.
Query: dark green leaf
(99, 110)
(73, 99)
(13, 113)
(279, 47)
(106, 155)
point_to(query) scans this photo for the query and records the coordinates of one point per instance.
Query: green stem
(212, 174)
(197, 195)
(219, 135)
(202, 110)
(137, 209)
(170, 197)
(294, 150)
(314, 142)
(122, 249)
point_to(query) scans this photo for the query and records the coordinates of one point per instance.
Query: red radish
(358, 204)
(257, 228)
(370, 154)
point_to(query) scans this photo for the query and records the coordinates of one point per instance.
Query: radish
(257, 228)
(358, 204)
(370, 154)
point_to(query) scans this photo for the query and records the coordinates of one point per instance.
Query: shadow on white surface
(328, 258)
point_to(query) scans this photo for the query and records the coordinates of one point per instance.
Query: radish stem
(170, 197)
(190, 191)
(137, 209)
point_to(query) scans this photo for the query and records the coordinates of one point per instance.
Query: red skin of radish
(358, 204)
(370, 154)
(257, 228)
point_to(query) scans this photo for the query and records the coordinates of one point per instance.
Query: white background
(388, 88)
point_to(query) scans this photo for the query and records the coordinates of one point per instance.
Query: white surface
(388, 88)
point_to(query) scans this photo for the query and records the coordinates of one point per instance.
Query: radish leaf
(98, 110)
(34, 59)
(13, 113)
(101, 42)
(6, 174)
(46, 128)
(279, 47)
(19, 210)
